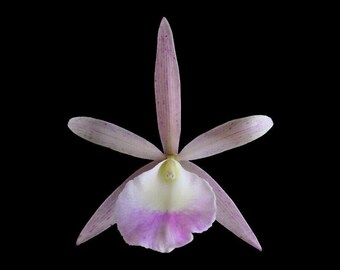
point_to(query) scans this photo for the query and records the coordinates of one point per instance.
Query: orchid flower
(162, 204)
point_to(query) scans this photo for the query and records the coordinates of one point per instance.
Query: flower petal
(227, 213)
(161, 208)
(103, 218)
(167, 90)
(227, 136)
(114, 137)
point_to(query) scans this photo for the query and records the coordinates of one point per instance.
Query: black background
(98, 61)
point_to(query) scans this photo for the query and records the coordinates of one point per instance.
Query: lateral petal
(114, 137)
(227, 136)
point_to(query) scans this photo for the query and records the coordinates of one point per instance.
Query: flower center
(169, 170)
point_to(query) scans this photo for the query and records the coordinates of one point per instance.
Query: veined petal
(227, 136)
(103, 218)
(161, 208)
(227, 213)
(167, 90)
(114, 137)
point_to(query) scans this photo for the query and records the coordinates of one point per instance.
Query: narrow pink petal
(167, 90)
(227, 136)
(162, 213)
(227, 213)
(114, 137)
(103, 218)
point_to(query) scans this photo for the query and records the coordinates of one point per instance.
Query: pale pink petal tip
(161, 214)
(257, 245)
(165, 22)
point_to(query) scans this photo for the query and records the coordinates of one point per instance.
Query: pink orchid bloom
(163, 203)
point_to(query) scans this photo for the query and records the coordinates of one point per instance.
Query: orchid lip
(161, 212)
